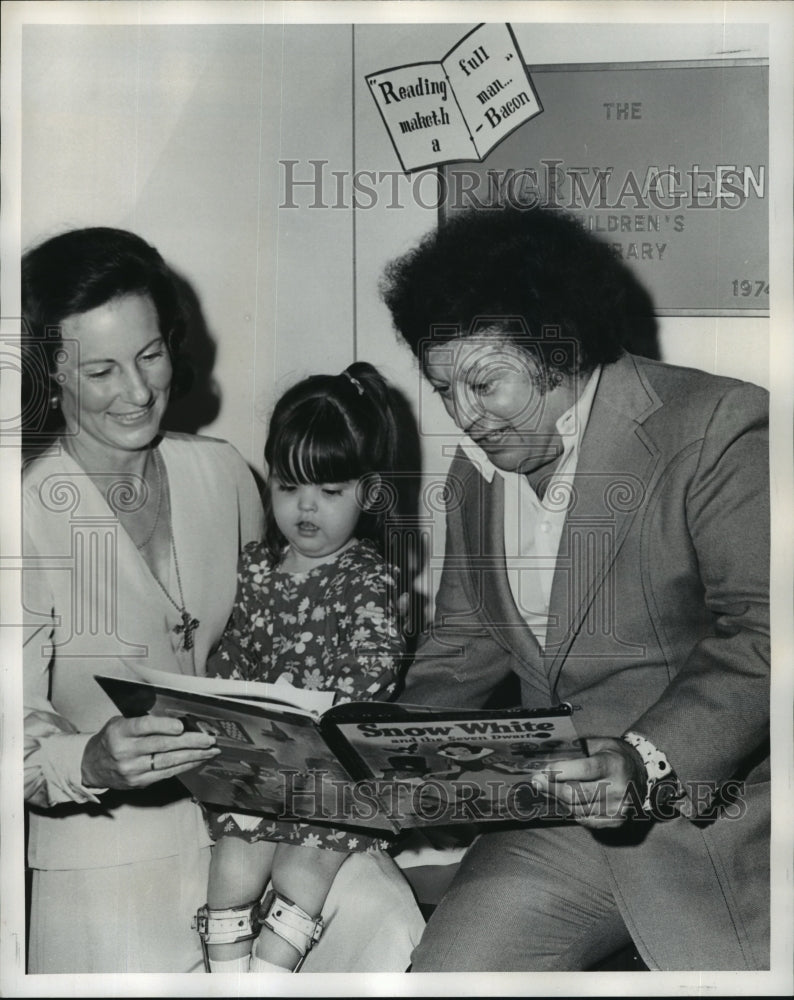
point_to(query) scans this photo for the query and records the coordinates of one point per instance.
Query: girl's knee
(239, 871)
(305, 874)
(291, 859)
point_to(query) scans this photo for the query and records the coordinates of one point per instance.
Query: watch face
(663, 798)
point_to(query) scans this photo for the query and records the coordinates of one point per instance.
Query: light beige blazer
(659, 623)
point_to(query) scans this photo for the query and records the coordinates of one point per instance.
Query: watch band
(657, 767)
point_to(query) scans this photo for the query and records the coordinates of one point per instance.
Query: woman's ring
(151, 763)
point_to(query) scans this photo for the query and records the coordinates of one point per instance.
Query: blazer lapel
(617, 465)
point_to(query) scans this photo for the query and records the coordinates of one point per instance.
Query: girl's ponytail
(392, 494)
(377, 407)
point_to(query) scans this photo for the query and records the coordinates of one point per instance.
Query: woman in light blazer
(131, 538)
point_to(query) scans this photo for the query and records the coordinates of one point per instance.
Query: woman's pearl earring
(55, 398)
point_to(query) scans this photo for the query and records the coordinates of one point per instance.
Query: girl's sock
(230, 964)
(262, 965)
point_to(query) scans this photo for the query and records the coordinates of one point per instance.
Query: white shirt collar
(568, 427)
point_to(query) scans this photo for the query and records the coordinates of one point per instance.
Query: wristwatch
(662, 786)
(665, 796)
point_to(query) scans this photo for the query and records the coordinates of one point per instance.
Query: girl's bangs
(320, 454)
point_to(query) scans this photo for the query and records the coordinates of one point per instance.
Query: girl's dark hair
(73, 273)
(537, 275)
(330, 429)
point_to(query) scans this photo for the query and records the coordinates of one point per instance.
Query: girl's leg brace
(239, 923)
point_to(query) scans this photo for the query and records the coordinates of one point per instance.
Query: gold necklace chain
(189, 624)
(150, 536)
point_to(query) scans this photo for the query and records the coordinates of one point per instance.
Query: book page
(281, 693)
(491, 84)
(421, 115)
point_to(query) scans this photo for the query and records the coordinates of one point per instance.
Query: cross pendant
(187, 628)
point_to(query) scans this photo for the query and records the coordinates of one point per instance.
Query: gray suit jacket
(659, 623)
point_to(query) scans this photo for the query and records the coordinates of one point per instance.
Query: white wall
(176, 132)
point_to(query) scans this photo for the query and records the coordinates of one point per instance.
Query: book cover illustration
(461, 107)
(269, 749)
(443, 766)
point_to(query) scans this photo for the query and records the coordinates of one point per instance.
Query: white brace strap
(226, 926)
(291, 922)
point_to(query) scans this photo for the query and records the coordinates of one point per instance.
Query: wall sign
(666, 161)
(461, 107)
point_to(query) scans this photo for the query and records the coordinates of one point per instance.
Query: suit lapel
(617, 465)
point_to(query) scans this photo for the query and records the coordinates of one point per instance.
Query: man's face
(493, 391)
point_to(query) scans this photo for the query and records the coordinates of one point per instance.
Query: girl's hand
(134, 753)
(595, 790)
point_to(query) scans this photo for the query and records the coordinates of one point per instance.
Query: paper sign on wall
(459, 108)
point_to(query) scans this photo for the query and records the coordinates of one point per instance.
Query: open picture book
(290, 754)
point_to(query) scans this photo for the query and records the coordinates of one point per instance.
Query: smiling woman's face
(114, 372)
(492, 391)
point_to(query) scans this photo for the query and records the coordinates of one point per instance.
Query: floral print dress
(333, 628)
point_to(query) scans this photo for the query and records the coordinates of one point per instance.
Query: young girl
(314, 606)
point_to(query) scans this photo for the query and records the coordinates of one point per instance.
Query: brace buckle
(226, 926)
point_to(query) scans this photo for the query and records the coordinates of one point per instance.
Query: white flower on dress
(312, 840)
(345, 685)
(312, 680)
(300, 645)
(372, 611)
